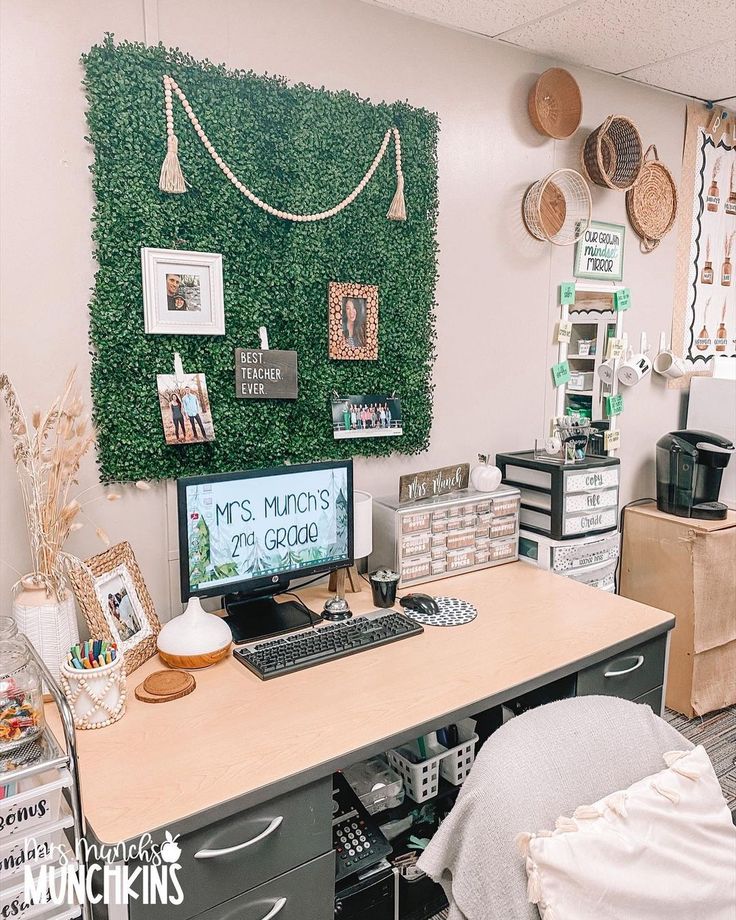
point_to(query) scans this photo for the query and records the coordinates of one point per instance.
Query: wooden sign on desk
(265, 374)
(430, 483)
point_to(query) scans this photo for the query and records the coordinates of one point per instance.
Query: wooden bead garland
(172, 178)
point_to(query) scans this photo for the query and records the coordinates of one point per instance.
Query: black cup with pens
(384, 583)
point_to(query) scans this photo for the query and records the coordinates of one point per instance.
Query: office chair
(536, 767)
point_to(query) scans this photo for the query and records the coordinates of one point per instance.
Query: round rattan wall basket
(612, 155)
(558, 208)
(555, 104)
(652, 203)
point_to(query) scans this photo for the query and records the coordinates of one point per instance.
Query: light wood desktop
(236, 742)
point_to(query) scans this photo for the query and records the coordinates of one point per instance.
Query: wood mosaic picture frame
(116, 604)
(353, 321)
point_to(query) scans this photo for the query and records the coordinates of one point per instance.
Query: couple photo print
(185, 409)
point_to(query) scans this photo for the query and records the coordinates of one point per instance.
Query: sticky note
(615, 348)
(622, 299)
(611, 440)
(564, 331)
(561, 373)
(614, 405)
(567, 292)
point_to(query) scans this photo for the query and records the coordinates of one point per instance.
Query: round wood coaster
(162, 686)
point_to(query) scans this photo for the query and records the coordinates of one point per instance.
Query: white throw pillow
(663, 849)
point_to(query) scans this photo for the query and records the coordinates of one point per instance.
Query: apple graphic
(170, 851)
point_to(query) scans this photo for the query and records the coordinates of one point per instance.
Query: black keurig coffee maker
(690, 466)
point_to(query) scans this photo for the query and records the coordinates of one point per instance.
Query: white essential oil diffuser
(195, 639)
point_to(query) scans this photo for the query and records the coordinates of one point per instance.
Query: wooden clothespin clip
(178, 366)
(263, 333)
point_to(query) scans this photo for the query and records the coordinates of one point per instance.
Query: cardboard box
(687, 567)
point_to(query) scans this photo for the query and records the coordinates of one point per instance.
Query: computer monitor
(247, 535)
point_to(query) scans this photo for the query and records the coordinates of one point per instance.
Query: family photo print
(185, 409)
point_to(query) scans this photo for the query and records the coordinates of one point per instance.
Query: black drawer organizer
(564, 501)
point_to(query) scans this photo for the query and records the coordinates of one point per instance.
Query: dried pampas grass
(47, 457)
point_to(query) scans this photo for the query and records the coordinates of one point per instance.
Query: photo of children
(366, 416)
(185, 409)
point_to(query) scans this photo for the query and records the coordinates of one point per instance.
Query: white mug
(635, 369)
(607, 371)
(668, 364)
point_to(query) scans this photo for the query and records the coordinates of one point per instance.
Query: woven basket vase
(652, 203)
(613, 154)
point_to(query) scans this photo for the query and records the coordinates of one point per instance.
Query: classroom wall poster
(704, 324)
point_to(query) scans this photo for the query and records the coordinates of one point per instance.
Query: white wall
(497, 286)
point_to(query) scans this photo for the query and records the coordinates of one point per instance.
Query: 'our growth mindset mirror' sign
(599, 253)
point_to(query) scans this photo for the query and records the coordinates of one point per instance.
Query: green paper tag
(622, 299)
(614, 405)
(561, 373)
(567, 292)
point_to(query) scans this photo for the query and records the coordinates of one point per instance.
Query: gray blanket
(536, 767)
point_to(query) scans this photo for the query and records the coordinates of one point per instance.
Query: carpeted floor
(717, 733)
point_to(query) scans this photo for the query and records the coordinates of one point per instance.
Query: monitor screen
(243, 531)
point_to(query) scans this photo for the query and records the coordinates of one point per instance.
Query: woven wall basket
(558, 208)
(555, 104)
(652, 203)
(612, 155)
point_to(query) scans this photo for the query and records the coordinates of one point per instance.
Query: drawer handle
(639, 662)
(276, 909)
(211, 854)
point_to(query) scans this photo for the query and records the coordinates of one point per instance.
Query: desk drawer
(303, 833)
(306, 893)
(629, 674)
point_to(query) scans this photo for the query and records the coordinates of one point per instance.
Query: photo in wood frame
(353, 321)
(114, 599)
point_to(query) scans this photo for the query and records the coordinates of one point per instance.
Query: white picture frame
(196, 305)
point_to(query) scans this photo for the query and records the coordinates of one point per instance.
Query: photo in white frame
(182, 292)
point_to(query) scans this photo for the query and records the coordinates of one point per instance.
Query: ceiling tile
(619, 35)
(709, 73)
(489, 17)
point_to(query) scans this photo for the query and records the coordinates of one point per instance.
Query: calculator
(356, 837)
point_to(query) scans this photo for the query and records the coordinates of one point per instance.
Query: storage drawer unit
(629, 675)
(305, 893)
(590, 560)
(248, 849)
(461, 532)
(564, 501)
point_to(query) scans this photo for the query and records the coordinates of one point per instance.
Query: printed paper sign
(611, 440)
(614, 405)
(622, 299)
(564, 331)
(615, 348)
(567, 292)
(599, 253)
(561, 373)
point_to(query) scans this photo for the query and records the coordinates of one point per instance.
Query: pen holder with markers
(97, 694)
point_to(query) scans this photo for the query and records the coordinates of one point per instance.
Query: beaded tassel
(172, 178)
(397, 210)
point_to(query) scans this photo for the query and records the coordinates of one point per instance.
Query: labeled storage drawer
(580, 380)
(42, 845)
(596, 576)
(417, 544)
(36, 804)
(416, 567)
(502, 549)
(411, 523)
(15, 905)
(629, 674)
(591, 501)
(584, 481)
(502, 527)
(461, 538)
(306, 893)
(238, 853)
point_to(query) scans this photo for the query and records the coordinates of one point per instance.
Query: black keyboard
(284, 654)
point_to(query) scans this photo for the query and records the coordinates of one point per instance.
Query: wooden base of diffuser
(193, 662)
(341, 578)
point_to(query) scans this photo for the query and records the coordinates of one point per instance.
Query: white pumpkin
(486, 477)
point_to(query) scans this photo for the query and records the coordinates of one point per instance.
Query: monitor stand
(262, 617)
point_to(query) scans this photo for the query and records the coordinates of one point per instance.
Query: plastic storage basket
(377, 786)
(422, 778)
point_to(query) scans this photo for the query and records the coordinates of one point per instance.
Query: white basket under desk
(422, 779)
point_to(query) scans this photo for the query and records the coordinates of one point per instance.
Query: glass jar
(8, 628)
(21, 695)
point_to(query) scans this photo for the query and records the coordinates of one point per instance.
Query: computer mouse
(422, 603)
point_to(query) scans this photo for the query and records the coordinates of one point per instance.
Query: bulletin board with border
(709, 152)
(301, 149)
